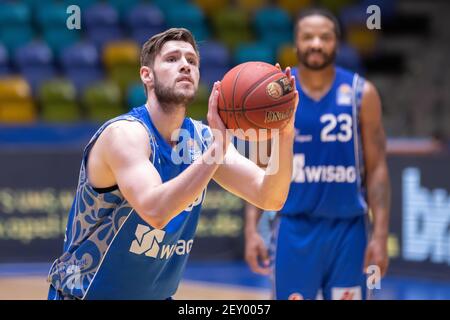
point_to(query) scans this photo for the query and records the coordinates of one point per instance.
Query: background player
(339, 173)
(136, 209)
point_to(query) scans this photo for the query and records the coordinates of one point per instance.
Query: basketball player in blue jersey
(320, 241)
(142, 183)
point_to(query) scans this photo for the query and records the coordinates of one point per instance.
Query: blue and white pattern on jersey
(109, 251)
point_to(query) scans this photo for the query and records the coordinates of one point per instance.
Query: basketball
(255, 95)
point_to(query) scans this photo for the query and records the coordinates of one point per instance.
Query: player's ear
(147, 76)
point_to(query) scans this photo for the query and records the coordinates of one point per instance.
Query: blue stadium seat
(214, 53)
(102, 35)
(4, 61)
(15, 27)
(102, 24)
(136, 95)
(208, 75)
(35, 4)
(57, 39)
(188, 16)
(141, 35)
(83, 4)
(81, 64)
(167, 5)
(51, 16)
(144, 21)
(215, 61)
(254, 52)
(15, 37)
(123, 6)
(273, 26)
(35, 63)
(52, 20)
(14, 14)
(101, 15)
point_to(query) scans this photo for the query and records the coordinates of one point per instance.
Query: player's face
(316, 42)
(176, 73)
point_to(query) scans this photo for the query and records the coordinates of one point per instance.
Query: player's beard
(327, 59)
(169, 98)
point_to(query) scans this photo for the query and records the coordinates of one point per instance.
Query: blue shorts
(316, 256)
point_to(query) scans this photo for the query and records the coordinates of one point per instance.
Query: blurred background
(57, 85)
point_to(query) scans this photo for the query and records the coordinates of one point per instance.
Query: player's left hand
(289, 128)
(376, 254)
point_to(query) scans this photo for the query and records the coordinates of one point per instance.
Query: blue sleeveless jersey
(328, 170)
(109, 251)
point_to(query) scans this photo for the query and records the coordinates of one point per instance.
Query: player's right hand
(256, 254)
(216, 124)
(290, 127)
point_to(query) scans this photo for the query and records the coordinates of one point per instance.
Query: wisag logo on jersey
(149, 242)
(325, 173)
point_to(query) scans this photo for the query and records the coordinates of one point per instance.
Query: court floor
(213, 280)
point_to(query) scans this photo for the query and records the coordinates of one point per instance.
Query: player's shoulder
(371, 102)
(124, 134)
(369, 90)
(126, 128)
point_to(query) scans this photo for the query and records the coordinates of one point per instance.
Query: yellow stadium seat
(232, 27)
(18, 112)
(210, 7)
(287, 56)
(294, 6)
(14, 88)
(121, 53)
(121, 59)
(199, 107)
(251, 5)
(16, 103)
(335, 5)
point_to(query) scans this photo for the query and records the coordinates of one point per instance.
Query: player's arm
(126, 151)
(266, 189)
(256, 253)
(377, 177)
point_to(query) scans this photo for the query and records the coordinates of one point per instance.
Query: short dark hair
(318, 12)
(154, 45)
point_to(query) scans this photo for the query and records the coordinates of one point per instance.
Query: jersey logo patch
(149, 242)
(344, 95)
(352, 293)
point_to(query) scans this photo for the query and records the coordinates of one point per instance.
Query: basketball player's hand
(256, 254)
(221, 138)
(289, 128)
(376, 254)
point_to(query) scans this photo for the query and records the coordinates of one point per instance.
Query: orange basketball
(256, 95)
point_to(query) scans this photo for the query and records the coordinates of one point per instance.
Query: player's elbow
(272, 204)
(152, 216)
(155, 220)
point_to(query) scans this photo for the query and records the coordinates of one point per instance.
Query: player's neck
(165, 122)
(316, 82)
